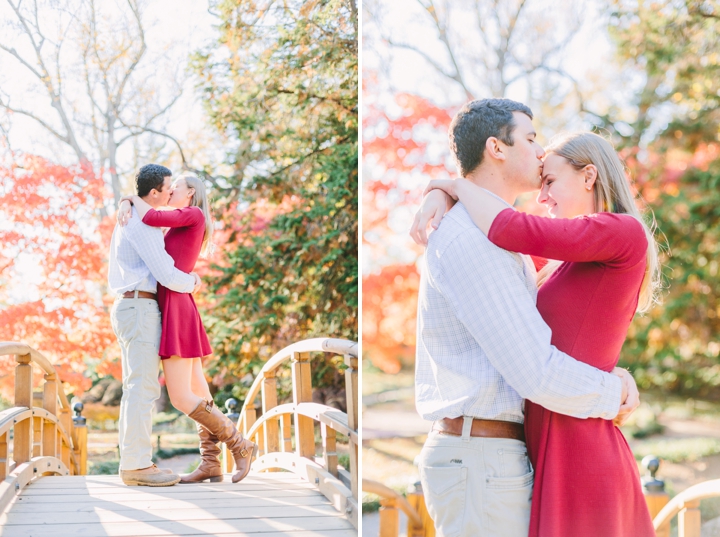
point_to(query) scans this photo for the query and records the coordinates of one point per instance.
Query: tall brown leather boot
(223, 428)
(209, 467)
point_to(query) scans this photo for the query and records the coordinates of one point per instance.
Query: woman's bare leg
(178, 379)
(198, 382)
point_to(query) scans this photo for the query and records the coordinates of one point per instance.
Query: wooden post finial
(78, 419)
(654, 491)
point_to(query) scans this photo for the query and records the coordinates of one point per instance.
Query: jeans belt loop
(136, 293)
(467, 428)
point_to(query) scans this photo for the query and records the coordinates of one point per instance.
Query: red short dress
(586, 479)
(183, 333)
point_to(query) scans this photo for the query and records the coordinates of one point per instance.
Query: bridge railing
(285, 433)
(391, 503)
(45, 440)
(686, 506)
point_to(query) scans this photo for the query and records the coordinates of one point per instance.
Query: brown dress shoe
(209, 467)
(224, 429)
(149, 477)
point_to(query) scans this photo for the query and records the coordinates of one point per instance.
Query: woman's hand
(446, 185)
(125, 211)
(433, 208)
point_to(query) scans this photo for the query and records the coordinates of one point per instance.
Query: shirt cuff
(609, 403)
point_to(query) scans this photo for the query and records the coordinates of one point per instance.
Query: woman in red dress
(184, 342)
(604, 268)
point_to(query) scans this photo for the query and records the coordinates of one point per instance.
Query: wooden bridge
(291, 491)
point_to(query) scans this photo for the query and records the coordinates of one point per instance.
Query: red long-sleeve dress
(183, 333)
(586, 479)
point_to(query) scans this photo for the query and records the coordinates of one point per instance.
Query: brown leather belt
(140, 294)
(482, 428)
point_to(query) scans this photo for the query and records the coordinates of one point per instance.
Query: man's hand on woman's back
(630, 396)
(198, 281)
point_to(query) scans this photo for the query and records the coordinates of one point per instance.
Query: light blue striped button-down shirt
(138, 260)
(482, 346)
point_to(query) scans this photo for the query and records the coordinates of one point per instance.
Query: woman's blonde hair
(612, 195)
(200, 199)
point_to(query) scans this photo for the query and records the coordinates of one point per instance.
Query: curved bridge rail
(419, 522)
(45, 441)
(285, 433)
(686, 506)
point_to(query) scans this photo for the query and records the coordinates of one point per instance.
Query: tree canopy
(281, 86)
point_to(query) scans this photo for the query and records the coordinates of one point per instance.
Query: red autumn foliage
(389, 308)
(52, 229)
(402, 151)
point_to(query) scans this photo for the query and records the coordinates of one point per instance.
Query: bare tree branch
(50, 129)
(128, 73)
(139, 130)
(442, 28)
(44, 76)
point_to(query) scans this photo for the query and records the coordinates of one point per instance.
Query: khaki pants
(476, 487)
(136, 323)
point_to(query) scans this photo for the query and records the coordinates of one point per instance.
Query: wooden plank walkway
(266, 505)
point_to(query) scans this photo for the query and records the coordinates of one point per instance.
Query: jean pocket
(151, 328)
(507, 505)
(514, 462)
(124, 322)
(519, 482)
(444, 488)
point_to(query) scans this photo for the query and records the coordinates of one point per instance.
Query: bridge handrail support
(45, 439)
(272, 430)
(686, 506)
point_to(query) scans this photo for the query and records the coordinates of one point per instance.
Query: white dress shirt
(482, 346)
(138, 260)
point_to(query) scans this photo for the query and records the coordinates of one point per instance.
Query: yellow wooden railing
(686, 506)
(285, 433)
(45, 440)
(413, 505)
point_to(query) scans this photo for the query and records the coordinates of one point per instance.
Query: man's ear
(494, 149)
(590, 172)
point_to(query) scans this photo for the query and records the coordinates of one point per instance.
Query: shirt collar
(499, 198)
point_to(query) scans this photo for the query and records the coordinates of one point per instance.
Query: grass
(678, 450)
(174, 452)
(375, 381)
(370, 503)
(192, 466)
(111, 467)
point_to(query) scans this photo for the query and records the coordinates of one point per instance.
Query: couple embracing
(155, 319)
(516, 368)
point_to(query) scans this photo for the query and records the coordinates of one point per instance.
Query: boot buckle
(208, 407)
(244, 452)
